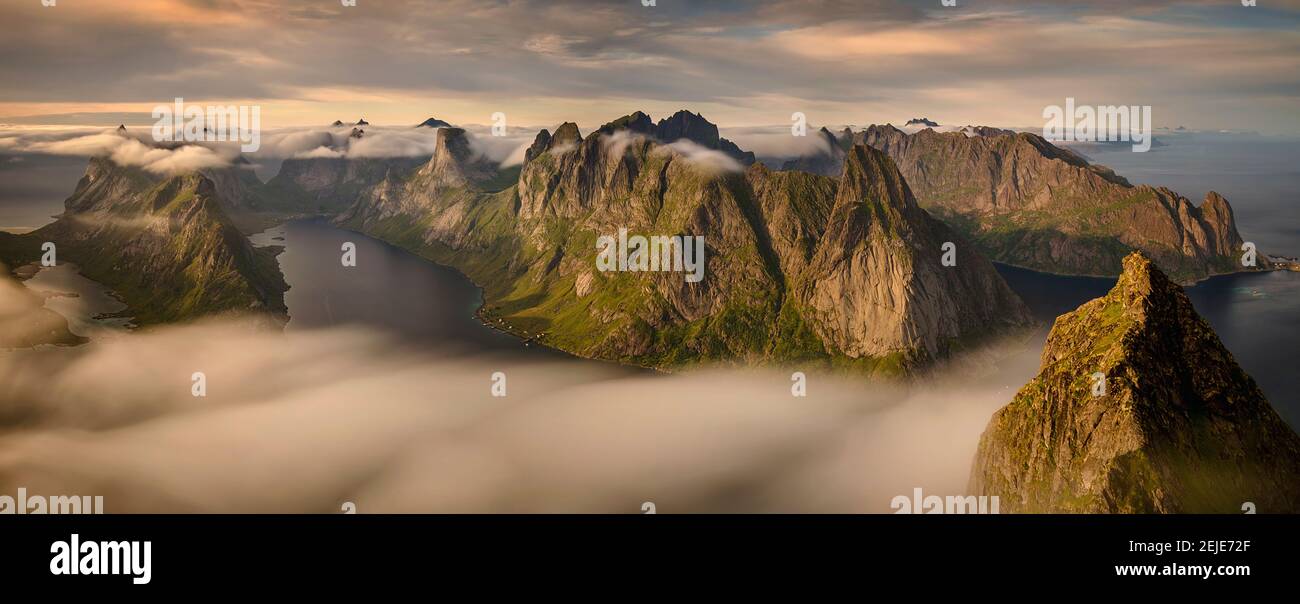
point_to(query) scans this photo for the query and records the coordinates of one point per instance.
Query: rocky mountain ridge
(866, 288)
(166, 245)
(1138, 408)
(1030, 203)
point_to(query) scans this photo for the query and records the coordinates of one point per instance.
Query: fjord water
(420, 303)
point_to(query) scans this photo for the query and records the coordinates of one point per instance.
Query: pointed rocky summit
(1138, 408)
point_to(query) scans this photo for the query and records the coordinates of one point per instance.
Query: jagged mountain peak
(833, 144)
(1138, 408)
(566, 135)
(637, 121)
(870, 175)
(455, 163)
(1141, 280)
(921, 121)
(690, 126)
(540, 144)
(888, 129)
(683, 125)
(362, 122)
(986, 131)
(433, 123)
(453, 141)
(875, 285)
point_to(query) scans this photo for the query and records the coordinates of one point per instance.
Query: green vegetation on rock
(1178, 428)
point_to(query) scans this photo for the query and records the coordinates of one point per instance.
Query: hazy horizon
(1205, 65)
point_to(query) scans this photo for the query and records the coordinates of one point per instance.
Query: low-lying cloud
(306, 420)
(124, 149)
(701, 156)
(778, 141)
(135, 148)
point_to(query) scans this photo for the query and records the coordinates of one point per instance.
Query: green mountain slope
(166, 246)
(777, 287)
(1178, 428)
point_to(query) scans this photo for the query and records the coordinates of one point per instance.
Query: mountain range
(1029, 203)
(835, 260)
(800, 267)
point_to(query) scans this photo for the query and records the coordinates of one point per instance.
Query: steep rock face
(621, 178)
(796, 208)
(454, 163)
(876, 284)
(442, 194)
(165, 245)
(1179, 427)
(540, 145)
(1030, 203)
(533, 248)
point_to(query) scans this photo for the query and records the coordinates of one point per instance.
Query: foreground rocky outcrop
(843, 272)
(1178, 428)
(1027, 202)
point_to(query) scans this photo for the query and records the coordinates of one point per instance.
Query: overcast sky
(1203, 64)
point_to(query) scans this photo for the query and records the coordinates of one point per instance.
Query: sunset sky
(1202, 64)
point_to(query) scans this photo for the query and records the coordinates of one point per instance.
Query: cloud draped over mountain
(125, 150)
(136, 148)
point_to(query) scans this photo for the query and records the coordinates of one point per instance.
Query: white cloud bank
(304, 421)
(135, 148)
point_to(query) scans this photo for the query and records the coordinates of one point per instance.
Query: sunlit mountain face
(589, 256)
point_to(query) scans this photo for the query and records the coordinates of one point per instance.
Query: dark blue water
(418, 302)
(1257, 316)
